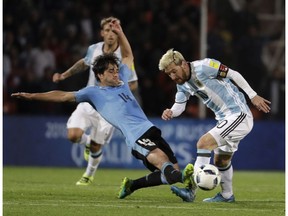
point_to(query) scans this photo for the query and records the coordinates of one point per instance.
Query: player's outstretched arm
(78, 67)
(260, 103)
(126, 51)
(53, 96)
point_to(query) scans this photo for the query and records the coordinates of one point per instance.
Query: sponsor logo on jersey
(214, 64)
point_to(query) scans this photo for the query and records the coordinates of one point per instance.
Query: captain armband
(222, 71)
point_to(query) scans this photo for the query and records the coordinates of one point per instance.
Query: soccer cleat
(86, 152)
(220, 198)
(125, 188)
(186, 194)
(85, 180)
(187, 174)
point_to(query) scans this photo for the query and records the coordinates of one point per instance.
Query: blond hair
(106, 20)
(169, 57)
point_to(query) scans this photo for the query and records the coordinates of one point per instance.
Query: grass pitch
(52, 191)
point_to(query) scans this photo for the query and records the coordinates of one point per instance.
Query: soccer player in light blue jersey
(113, 99)
(210, 81)
(85, 125)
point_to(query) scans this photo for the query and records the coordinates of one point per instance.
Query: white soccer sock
(85, 140)
(203, 157)
(226, 181)
(93, 163)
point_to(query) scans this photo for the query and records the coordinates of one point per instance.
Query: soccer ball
(207, 177)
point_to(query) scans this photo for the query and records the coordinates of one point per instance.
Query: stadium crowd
(44, 37)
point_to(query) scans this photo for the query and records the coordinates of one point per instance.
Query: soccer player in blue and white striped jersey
(211, 82)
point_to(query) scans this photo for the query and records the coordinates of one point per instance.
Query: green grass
(52, 191)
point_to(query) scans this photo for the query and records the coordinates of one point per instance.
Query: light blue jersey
(215, 90)
(118, 106)
(93, 52)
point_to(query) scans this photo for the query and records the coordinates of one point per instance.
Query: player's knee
(74, 135)
(207, 142)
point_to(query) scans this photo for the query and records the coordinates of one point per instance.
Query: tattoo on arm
(78, 67)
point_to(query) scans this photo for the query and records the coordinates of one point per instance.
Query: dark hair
(102, 62)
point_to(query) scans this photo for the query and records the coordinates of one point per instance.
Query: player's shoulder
(207, 63)
(96, 45)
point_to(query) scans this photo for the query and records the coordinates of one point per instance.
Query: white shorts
(229, 132)
(87, 118)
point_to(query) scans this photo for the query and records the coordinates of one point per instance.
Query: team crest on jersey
(222, 72)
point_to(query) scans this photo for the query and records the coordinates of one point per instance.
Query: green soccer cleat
(187, 176)
(85, 181)
(125, 188)
(220, 198)
(86, 152)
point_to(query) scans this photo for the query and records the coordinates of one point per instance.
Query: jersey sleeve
(83, 95)
(133, 76)
(181, 96)
(214, 69)
(125, 73)
(89, 55)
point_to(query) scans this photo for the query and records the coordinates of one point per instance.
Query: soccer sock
(85, 140)
(203, 157)
(93, 163)
(226, 180)
(150, 180)
(171, 174)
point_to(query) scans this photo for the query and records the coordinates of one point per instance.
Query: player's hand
(22, 95)
(261, 104)
(57, 77)
(167, 114)
(115, 26)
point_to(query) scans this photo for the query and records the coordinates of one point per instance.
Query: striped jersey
(209, 83)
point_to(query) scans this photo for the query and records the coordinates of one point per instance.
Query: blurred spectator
(40, 58)
(40, 37)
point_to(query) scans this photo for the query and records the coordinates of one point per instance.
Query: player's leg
(101, 134)
(77, 124)
(204, 146)
(158, 157)
(235, 129)
(94, 159)
(223, 162)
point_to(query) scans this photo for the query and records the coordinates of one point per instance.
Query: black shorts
(154, 136)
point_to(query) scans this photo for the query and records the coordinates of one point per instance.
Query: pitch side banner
(41, 141)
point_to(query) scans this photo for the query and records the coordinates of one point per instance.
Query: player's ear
(183, 64)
